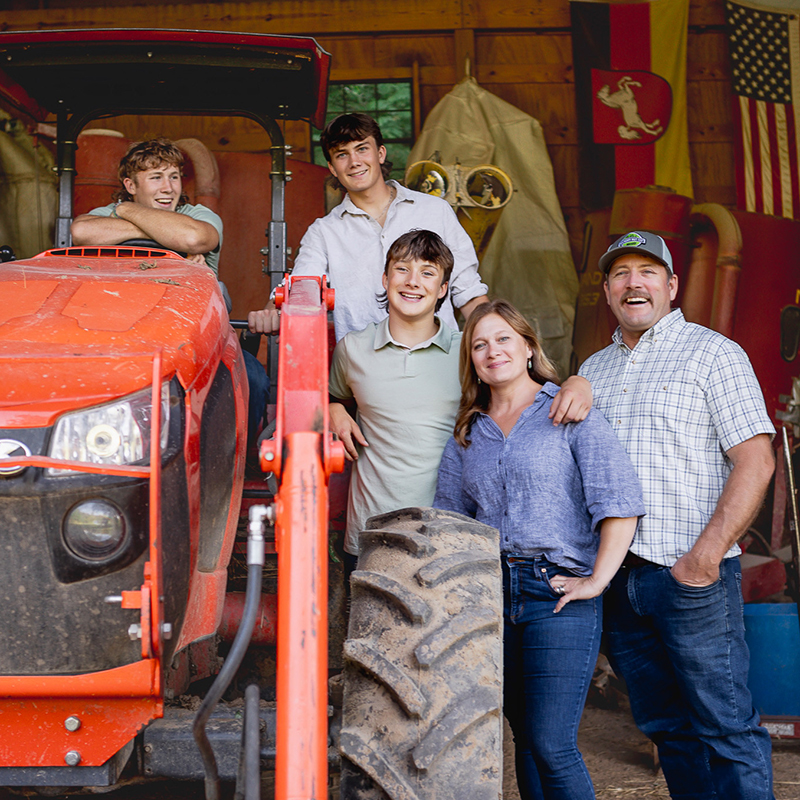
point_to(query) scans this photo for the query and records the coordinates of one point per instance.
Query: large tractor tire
(424, 661)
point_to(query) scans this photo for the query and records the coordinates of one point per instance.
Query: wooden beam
(448, 76)
(302, 17)
(320, 17)
(482, 14)
(524, 73)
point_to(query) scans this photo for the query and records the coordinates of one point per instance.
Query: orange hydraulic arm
(303, 456)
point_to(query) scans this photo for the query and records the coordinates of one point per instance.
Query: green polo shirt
(407, 402)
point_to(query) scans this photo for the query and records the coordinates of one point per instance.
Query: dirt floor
(620, 759)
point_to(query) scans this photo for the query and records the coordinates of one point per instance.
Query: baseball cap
(650, 244)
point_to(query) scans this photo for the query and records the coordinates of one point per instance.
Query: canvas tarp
(28, 193)
(528, 260)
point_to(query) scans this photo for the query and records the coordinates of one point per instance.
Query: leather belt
(631, 561)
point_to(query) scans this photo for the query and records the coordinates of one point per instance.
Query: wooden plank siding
(518, 49)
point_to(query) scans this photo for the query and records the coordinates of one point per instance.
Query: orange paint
(112, 707)
(303, 455)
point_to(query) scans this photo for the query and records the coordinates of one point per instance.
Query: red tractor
(122, 436)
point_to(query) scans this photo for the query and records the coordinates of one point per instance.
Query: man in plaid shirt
(686, 405)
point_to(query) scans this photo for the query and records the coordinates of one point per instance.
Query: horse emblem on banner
(637, 112)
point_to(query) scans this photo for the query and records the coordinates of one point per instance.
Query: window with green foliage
(389, 104)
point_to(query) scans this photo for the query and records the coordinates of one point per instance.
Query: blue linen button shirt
(546, 488)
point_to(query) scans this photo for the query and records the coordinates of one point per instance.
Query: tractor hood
(80, 326)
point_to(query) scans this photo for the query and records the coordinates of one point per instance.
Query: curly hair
(348, 128)
(475, 396)
(148, 155)
(419, 245)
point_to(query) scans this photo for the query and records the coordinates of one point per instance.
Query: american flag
(765, 62)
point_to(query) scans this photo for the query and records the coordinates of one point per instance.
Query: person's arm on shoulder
(346, 428)
(753, 465)
(93, 229)
(471, 305)
(573, 401)
(616, 535)
(177, 231)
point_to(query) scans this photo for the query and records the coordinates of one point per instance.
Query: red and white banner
(765, 65)
(630, 93)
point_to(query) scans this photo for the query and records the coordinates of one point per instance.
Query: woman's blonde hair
(475, 396)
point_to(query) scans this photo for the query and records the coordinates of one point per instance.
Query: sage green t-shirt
(407, 403)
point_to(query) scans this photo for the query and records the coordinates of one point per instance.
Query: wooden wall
(518, 49)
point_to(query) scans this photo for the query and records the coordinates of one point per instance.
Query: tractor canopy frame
(73, 77)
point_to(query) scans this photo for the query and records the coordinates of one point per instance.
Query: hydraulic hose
(252, 744)
(255, 566)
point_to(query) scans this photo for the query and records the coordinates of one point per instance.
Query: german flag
(630, 89)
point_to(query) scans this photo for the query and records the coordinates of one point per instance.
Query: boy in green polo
(402, 375)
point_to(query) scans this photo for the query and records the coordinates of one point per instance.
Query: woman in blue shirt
(566, 501)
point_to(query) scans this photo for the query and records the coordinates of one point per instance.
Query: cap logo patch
(632, 240)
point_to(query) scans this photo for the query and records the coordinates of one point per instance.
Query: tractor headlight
(115, 433)
(94, 529)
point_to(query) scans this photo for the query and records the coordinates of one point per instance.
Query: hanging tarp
(528, 260)
(28, 193)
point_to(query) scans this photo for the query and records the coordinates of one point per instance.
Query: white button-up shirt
(350, 248)
(678, 401)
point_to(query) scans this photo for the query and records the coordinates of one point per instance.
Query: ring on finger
(560, 589)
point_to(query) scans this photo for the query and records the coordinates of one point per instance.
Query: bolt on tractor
(123, 416)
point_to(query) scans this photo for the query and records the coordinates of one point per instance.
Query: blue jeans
(258, 381)
(682, 653)
(549, 662)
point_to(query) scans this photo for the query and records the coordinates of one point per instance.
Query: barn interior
(735, 245)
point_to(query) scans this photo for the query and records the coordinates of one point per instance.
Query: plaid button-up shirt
(678, 402)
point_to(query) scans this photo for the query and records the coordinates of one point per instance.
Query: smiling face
(413, 287)
(159, 187)
(499, 354)
(639, 291)
(357, 165)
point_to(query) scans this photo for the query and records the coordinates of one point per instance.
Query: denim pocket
(549, 573)
(695, 590)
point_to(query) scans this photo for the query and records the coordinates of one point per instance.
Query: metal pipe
(265, 630)
(729, 251)
(66, 144)
(794, 520)
(248, 778)
(252, 743)
(276, 233)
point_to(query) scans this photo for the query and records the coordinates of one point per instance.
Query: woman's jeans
(682, 653)
(549, 662)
